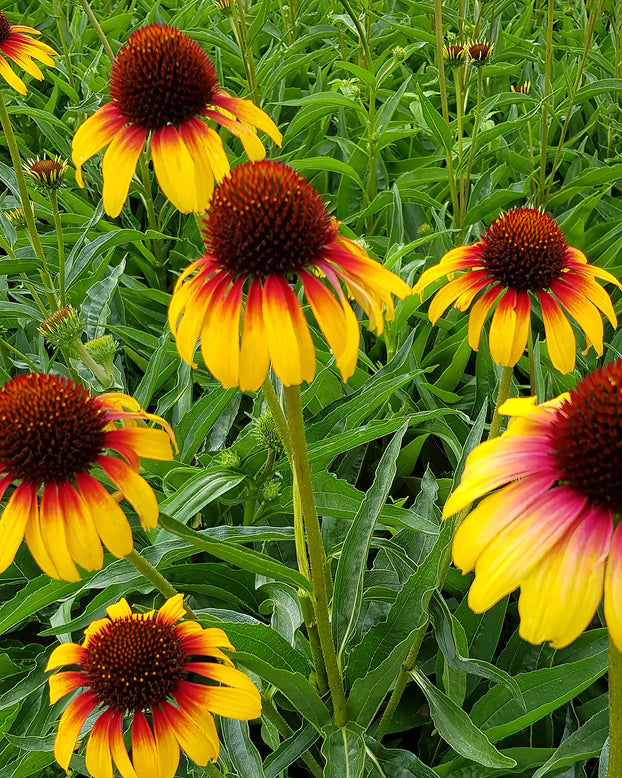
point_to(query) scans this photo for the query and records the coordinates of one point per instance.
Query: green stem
(7, 247)
(361, 33)
(442, 82)
(596, 13)
(271, 714)
(56, 9)
(61, 246)
(459, 110)
(79, 351)
(317, 557)
(467, 180)
(400, 686)
(544, 133)
(151, 214)
(240, 31)
(614, 768)
(278, 416)
(502, 396)
(35, 241)
(29, 362)
(532, 364)
(98, 29)
(155, 577)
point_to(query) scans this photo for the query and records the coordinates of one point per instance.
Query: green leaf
(253, 561)
(290, 750)
(36, 595)
(202, 488)
(438, 126)
(397, 763)
(499, 714)
(457, 729)
(344, 751)
(348, 591)
(243, 754)
(586, 743)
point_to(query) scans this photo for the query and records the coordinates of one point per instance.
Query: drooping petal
(492, 515)
(11, 78)
(291, 349)
(193, 137)
(53, 529)
(254, 354)
(509, 558)
(460, 258)
(118, 749)
(449, 293)
(98, 757)
(15, 517)
(167, 747)
(146, 442)
(69, 726)
(110, 521)
(248, 112)
(82, 537)
(174, 169)
(253, 147)
(479, 313)
(120, 160)
(560, 596)
(133, 487)
(583, 311)
(144, 753)
(337, 321)
(189, 736)
(239, 699)
(95, 133)
(36, 544)
(220, 336)
(560, 340)
(613, 589)
(509, 328)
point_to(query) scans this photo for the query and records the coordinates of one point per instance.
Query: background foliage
(367, 128)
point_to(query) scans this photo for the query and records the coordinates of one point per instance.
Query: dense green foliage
(366, 127)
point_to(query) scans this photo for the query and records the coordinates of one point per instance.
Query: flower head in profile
(168, 678)
(22, 49)
(266, 227)
(521, 89)
(162, 86)
(454, 54)
(47, 173)
(523, 254)
(53, 434)
(479, 53)
(550, 520)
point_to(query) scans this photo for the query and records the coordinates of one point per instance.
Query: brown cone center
(5, 27)
(161, 76)
(52, 428)
(134, 663)
(267, 219)
(524, 249)
(587, 437)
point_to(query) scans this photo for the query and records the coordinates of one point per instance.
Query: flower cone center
(161, 76)
(5, 27)
(134, 663)
(51, 428)
(267, 219)
(524, 249)
(586, 437)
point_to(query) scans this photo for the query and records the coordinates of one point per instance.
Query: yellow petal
(15, 517)
(254, 354)
(95, 133)
(560, 340)
(120, 162)
(110, 521)
(174, 169)
(133, 487)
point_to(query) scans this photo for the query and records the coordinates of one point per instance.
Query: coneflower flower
(523, 253)
(22, 49)
(162, 86)
(168, 678)
(47, 173)
(53, 434)
(549, 518)
(266, 227)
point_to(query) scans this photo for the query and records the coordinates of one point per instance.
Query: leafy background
(385, 448)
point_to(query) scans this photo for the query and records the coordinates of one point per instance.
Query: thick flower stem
(544, 133)
(532, 364)
(315, 547)
(614, 768)
(502, 396)
(61, 246)
(278, 416)
(151, 214)
(467, 181)
(78, 351)
(7, 127)
(155, 577)
(442, 83)
(98, 29)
